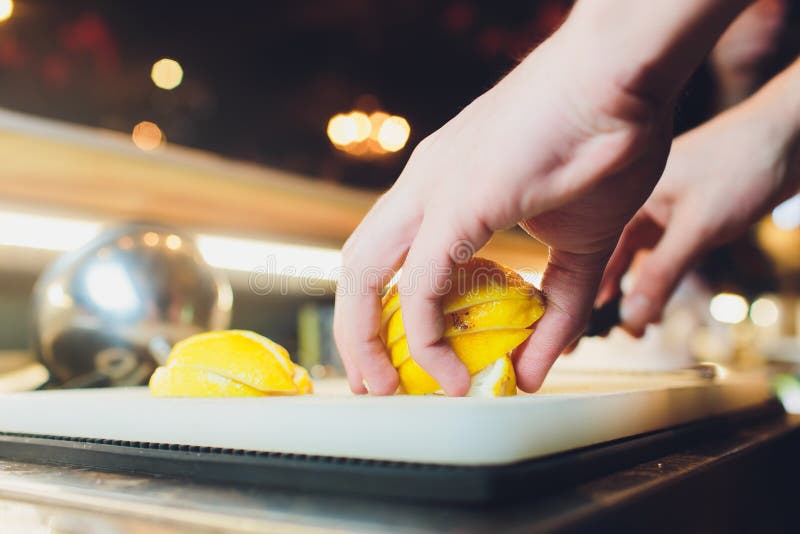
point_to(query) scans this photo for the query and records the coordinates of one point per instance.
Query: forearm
(778, 102)
(648, 48)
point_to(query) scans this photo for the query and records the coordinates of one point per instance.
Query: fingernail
(635, 310)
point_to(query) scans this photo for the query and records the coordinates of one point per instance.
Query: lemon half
(229, 363)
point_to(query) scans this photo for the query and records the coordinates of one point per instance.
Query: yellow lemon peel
(229, 363)
(488, 312)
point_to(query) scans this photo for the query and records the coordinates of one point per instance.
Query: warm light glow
(44, 232)
(151, 239)
(728, 308)
(342, 129)
(368, 136)
(376, 120)
(363, 126)
(6, 9)
(270, 257)
(173, 242)
(394, 133)
(167, 74)
(61, 234)
(764, 312)
(147, 135)
(786, 216)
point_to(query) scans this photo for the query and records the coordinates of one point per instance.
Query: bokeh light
(151, 239)
(376, 120)
(764, 312)
(786, 216)
(394, 133)
(363, 126)
(173, 242)
(728, 308)
(6, 9)
(167, 73)
(363, 135)
(147, 135)
(342, 129)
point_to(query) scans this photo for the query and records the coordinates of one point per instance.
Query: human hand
(533, 149)
(720, 178)
(569, 145)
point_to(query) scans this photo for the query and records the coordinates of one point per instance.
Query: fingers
(570, 283)
(370, 259)
(640, 233)
(427, 275)
(659, 273)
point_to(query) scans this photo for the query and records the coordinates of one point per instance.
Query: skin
(740, 53)
(569, 145)
(720, 178)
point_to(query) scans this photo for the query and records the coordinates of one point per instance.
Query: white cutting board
(465, 431)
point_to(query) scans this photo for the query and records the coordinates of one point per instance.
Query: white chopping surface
(574, 410)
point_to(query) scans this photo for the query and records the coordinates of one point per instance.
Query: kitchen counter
(741, 481)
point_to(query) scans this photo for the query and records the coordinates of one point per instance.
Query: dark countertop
(740, 481)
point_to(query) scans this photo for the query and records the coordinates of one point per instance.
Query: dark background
(263, 78)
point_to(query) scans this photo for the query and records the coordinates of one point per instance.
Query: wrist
(649, 48)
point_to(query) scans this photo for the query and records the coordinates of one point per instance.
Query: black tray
(417, 481)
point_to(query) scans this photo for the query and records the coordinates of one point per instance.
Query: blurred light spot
(108, 286)
(173, 242)
(342, 129)
(728, 308)
(44, 232)
(376, 120)
(147, 135)
(166, 74)
(764, 312)
(363, 126)
(151, 239)
(224, 297)
(787, 388)
(270, 257)
(394, 133)
(57, 297)
(787, 215)
(6, 9)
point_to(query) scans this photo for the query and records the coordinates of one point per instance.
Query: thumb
(570, 283)
(659, 273)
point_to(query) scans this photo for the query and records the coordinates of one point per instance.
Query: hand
(572, 165)
(720, 178)
(569, 145)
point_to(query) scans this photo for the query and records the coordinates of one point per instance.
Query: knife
(604, 318)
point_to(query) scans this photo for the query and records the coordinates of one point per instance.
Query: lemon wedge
(488, 312)
(229, 363)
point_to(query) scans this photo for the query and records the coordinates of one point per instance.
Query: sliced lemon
(229, 363)
(182, 381)
(488, 312)
(415, 380)
(475, 349)
(496, 380)
(303, 382)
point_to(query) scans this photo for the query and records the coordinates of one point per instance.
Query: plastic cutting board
(577, 412)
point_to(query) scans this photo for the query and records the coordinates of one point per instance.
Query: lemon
(230, 363)
(488, 312)
(496, 380)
